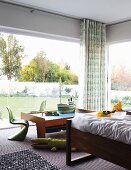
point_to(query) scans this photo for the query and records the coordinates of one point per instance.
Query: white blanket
(117, 127)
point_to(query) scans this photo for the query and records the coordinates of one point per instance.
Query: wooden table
(42, 121)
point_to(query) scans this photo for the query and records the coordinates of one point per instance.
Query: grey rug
(24, 160)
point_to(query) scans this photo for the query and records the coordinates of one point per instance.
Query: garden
(28, 96)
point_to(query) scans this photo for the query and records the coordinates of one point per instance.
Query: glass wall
(120, 74)
(33, 70)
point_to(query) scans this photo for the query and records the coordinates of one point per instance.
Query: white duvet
(117, 127)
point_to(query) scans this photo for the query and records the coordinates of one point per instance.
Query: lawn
(27, 104)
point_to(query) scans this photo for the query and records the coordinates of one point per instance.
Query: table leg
(40, 127)
(40, 123)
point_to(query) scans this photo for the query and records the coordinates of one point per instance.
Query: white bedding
(117, 127)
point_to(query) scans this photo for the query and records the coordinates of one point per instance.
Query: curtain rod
(32, 9)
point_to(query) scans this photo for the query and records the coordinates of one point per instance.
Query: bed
(96, 146)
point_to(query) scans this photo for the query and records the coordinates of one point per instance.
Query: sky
(69, 52)
(120, 54)
(56, 51)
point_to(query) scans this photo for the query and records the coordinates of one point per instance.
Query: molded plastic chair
(19, 136)
(42, 106)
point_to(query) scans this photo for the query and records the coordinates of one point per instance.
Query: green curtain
(93, 76)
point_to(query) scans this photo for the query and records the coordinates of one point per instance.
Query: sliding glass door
(120, 74)
(33, 70)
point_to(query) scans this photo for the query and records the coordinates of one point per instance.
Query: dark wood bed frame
(116, 152)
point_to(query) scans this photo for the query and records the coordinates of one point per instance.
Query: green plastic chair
(42, 106)
(19, 136)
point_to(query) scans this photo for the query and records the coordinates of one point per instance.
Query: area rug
(25, 160)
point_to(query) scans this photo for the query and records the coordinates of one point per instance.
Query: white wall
(119, 32)
(16, 19)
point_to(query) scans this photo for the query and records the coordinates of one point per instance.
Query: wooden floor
(57, 158)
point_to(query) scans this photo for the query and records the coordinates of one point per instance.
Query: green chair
(42, 106)
(19, 136)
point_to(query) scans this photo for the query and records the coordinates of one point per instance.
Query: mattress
(116, 127)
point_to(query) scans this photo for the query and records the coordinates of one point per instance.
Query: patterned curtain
(93, 76)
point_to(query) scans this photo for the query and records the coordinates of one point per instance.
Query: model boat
(66, 108)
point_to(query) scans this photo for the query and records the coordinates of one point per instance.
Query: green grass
(27, 104)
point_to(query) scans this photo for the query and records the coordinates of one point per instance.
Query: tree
(36, 70)
(41, 69)
(67, 77)
(12, 54)
(120, 78)
(67, 67)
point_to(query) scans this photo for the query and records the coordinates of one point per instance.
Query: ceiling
(106, 11)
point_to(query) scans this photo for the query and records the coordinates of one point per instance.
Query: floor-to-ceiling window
(35, 69)
(120, 74)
